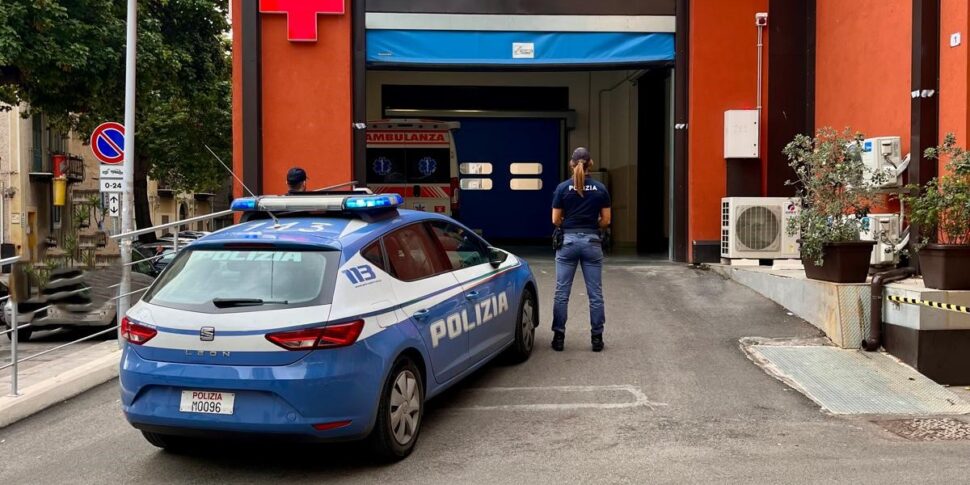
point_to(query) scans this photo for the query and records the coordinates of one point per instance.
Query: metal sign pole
(127, 200)
(13, 348)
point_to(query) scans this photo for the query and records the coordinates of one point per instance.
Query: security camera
(761, 19)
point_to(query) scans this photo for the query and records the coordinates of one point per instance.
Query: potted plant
(942, 210)
(836, 191)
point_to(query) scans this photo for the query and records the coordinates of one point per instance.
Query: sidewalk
(55, 377)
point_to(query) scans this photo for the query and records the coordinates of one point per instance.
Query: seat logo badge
(207, 334)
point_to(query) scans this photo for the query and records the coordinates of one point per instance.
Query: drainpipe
(879, 282)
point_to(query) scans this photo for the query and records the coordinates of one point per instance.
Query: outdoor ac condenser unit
(756, 228)
(884, 154)
(886, 230)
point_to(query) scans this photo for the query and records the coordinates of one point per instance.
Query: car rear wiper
(238, 302)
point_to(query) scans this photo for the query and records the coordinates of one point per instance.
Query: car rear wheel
(166, 442)
(400, 413)
(525, 328)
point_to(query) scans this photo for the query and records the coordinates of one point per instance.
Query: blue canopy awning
(515, 49)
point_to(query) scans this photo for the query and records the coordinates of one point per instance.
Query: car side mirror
(496, 257)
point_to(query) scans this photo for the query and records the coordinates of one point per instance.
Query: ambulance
(415, 159)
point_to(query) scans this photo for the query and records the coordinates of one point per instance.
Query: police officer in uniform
(581, 211)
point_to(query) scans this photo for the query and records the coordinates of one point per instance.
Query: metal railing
(15, 328)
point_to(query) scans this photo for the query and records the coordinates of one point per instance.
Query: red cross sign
(301, 15)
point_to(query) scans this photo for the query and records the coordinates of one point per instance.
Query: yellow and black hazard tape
(932, 304)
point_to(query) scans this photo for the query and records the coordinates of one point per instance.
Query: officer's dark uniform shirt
(581, 212)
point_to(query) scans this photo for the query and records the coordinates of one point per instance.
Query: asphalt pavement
(672, 399)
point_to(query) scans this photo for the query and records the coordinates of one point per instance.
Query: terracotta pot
(844, 262)
(945, 267)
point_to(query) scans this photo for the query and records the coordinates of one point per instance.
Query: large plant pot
(844, 262)
(945, 267)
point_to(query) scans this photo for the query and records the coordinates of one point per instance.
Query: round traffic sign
(108, 143)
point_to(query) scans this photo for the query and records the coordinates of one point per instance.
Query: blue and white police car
(320, 317)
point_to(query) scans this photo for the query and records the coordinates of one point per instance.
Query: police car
(320, 317)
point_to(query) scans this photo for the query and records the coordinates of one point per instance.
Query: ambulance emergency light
(323, 203)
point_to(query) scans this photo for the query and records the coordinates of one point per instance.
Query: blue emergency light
(324, 203)
(244, 204)
(373, 202)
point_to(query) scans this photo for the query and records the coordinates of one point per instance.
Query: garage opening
(511, 122)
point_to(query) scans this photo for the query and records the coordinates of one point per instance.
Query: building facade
(654, 119)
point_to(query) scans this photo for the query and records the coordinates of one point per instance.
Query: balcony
(42, 168)
(75, 169)
(165, 191)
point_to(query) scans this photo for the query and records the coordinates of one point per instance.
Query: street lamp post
(127, 200)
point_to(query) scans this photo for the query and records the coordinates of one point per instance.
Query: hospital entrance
(488, 141)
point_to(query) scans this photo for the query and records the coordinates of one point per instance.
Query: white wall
(614, 151)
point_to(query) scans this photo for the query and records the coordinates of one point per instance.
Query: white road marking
(640, 399)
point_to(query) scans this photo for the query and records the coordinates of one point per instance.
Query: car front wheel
(525, 329)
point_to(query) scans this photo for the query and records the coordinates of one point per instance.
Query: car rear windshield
(224, 280)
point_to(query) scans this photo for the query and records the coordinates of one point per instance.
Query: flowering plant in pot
(836, 191)
(942, 210)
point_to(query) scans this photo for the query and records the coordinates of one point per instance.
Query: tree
(65, 59)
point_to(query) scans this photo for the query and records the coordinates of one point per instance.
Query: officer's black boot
(597, 343)
(558, 341)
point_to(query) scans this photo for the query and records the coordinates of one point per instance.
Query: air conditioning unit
(886, 230)
(757, 228)
(884, 154)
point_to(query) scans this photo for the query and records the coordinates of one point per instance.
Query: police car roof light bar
(322, 203)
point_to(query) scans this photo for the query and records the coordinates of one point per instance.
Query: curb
(64, 386)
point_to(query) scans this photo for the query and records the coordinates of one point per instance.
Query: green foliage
(99, 211)
(835, 187)
(66, 59)
(942, 206)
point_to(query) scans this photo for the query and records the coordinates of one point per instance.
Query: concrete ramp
(853, 382)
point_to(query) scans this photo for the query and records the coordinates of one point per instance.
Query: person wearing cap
(581, 208)
(296, 180)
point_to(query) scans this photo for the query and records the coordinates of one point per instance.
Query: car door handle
(422, 315)
(472, 295)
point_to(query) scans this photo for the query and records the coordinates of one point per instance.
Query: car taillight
(328, 337)
(136, 333)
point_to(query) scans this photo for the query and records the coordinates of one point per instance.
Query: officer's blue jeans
(584, 250)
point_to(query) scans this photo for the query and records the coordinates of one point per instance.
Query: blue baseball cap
(581, 153)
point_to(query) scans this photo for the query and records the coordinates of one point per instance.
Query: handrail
(122, 298)
(160, 256)
(10, 260)
(19, 327)
(183, 222)
(59, 347)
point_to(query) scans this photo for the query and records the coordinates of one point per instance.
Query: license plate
(207, 402)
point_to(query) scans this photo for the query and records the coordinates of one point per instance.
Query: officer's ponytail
(579, 175)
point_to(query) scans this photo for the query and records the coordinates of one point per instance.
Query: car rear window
(201, 279)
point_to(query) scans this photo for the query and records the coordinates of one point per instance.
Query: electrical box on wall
(742, 134)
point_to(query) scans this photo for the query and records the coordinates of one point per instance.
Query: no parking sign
(108, 143)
